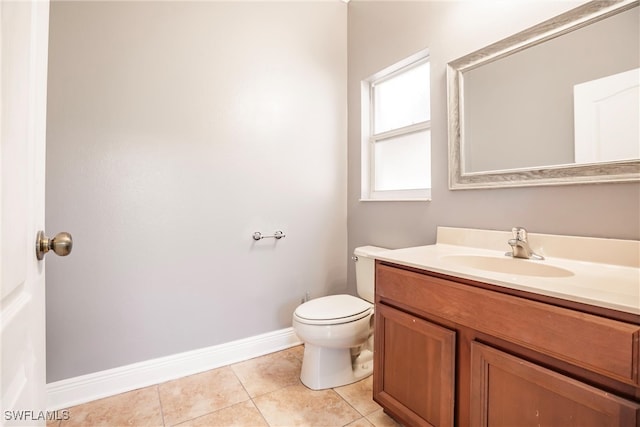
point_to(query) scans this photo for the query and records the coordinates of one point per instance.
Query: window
(396, 143)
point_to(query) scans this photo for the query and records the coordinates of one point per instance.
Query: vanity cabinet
(452, 351)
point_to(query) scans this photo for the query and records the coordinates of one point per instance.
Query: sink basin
(508, 265)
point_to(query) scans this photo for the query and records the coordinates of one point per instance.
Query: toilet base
(324, 367)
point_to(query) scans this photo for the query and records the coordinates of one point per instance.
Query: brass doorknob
(61, 244)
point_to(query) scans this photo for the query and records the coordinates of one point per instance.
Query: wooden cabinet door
(414, 368)
(509, 391)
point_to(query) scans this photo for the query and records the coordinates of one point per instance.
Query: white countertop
(587, 280)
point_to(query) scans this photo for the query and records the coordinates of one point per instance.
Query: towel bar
(277, 235)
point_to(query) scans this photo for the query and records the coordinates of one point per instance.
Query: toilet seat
(333, 310)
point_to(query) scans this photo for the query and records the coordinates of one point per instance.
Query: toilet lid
(332, 307)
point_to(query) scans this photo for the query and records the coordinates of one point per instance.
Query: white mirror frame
(619, 171)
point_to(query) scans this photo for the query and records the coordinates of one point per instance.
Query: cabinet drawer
(606, 346)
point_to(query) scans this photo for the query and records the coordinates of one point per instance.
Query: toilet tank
(366, 270)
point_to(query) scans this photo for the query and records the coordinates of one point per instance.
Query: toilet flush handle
(354, 258)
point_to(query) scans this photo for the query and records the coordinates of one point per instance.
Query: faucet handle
(519, 233)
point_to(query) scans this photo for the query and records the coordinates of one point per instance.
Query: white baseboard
(73, 391)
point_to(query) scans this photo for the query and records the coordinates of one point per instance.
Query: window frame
(369, 138)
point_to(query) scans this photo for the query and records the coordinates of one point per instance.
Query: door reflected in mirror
(606, 115)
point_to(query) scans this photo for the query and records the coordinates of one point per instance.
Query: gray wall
(382, 33)
(176, 130)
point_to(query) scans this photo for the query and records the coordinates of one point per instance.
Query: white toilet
(337, 330)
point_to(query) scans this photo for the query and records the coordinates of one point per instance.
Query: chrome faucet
(520, 245)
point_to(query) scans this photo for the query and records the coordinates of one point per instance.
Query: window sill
(396, 200)
(417, 195)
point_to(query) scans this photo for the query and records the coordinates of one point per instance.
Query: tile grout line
(249, 394)
(259, 411)
(157, 387)
(351, 406)
(218, 409)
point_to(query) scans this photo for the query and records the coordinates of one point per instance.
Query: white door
(23, 66)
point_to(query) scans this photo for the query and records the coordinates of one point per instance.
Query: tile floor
(265, 391)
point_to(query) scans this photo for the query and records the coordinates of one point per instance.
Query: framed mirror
(555, 104)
